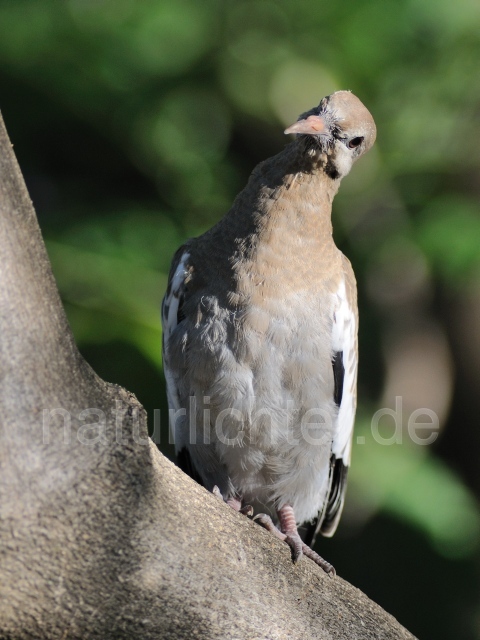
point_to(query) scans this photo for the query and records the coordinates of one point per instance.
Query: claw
(296, 545)
(234, 502)
(290, 535)
(247, 510)
(217, 493)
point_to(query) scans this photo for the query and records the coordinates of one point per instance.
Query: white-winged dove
(260, 336)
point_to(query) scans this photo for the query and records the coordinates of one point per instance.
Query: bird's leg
(235, 502)
(289, 533)
(288, 526)
(289, 529)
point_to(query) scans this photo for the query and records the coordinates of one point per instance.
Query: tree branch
(100, 535)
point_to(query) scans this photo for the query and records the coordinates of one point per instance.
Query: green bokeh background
(137, 122)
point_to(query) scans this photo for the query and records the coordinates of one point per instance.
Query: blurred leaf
(299, 82)
(119, 298)
(410, 482)
(449, 232)
(142, 237)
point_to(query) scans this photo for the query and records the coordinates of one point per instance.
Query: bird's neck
(277, 237)
(287, 198)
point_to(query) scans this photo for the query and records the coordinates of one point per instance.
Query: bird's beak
(313, 126)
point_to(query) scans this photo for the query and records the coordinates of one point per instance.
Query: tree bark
(100, 535)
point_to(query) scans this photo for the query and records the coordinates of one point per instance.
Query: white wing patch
(171, 300)
(170, 307)
(344, 336)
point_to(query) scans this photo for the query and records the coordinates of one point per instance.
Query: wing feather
(172, 315)
(344, 363)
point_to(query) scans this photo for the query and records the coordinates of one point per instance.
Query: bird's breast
(286, 343)
(286, 433)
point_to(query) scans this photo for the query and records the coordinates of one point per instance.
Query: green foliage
(449, 233)
(412, 484)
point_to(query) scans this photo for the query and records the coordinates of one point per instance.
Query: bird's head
(338, 131)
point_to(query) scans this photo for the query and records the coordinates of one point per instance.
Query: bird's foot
(292, 539)
(288, 526)
(247, 510)
(217, 493)
(235, 503)
(269, 525)
(313, 555)
(289, 534)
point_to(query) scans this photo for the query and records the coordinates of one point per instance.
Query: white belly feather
(273, 423)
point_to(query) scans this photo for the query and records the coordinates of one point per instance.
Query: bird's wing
(344, 362)
(172, 315)
(180, 358)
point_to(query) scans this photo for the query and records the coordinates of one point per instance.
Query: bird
(260, 327)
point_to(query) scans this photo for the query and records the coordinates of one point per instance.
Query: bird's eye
(355, 142)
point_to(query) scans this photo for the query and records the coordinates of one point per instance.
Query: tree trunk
(100, 535)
